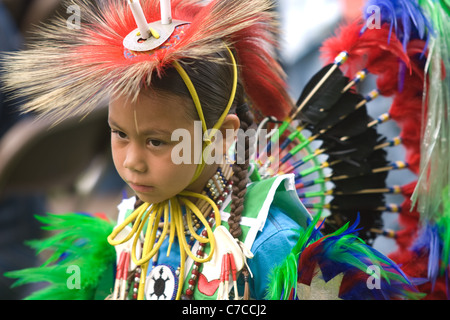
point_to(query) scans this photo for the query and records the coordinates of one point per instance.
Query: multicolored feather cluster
(408, 56)
(419, 88)
(71, 71)
(405, 17)
(78, 247)
(340, 255)
(431, 196)
(424, 104)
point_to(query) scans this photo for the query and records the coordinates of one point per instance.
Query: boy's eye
(155, 143)
(121, 134)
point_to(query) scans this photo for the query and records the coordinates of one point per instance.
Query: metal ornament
(159, 33)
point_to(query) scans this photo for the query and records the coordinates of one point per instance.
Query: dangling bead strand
(137, 277)
(218, 189)
(195, 268)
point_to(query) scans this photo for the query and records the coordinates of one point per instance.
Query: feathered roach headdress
(72, 70)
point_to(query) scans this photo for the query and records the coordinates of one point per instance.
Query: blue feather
(406, 17)
(430, 241)
(387, 12)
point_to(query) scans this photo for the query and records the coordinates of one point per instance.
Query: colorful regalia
(313, 205)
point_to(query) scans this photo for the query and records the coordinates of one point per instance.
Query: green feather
(285, 275)
(444, 230)
(80, 242)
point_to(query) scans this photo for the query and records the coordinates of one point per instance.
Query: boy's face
(142, 147)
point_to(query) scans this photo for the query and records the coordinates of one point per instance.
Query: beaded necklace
(218, 188)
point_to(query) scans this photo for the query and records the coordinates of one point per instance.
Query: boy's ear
(229, 126)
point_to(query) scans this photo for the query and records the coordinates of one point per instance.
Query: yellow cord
(210, 238)
(148, 216)
(232, 96)
(203, 197)
(193, 93)
(198, 107)
(136, 215)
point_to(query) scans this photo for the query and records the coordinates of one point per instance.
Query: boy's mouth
(140, 188)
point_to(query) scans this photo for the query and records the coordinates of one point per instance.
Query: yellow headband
(198, 106)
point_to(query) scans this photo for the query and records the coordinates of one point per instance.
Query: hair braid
(240, 173)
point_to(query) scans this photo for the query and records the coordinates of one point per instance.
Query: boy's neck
(199, 185)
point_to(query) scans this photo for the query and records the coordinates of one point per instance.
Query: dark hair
(213, 81)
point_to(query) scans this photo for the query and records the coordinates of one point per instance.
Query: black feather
(346, 208)
(355, 167)
(325, 98)
(355, 184)
(354, 124)
(353, 202)
(357, 147)
(343, 107)
(333, 118)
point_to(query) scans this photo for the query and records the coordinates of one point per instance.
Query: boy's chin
(152, 198)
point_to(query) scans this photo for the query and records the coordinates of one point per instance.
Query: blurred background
(68, 167)
(45, 168)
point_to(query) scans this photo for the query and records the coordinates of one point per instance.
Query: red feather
(308, 262)
(351, 277)
(410, 135)
(367, 50)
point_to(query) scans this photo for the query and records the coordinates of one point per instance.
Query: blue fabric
(271, 247)
(173, 259)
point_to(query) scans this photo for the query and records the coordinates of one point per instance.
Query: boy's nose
(135, 160)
